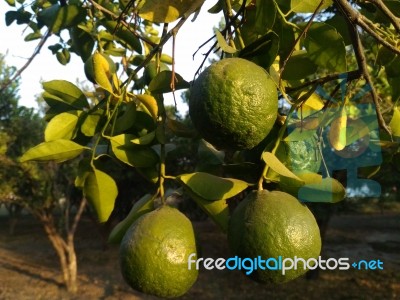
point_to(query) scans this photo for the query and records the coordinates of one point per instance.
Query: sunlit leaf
(66, 92)
(211, 187)
(223, 44)
(273, 162)
(395, 122)
(145, 139)
(163, 11)
(337, 132)
(101, 191)
(62, 126)
(308, 6)
(150, 103)
(328, 190)
(126, 36)
(58, 150)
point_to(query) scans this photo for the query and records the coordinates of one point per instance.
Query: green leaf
(101, 191)
(292, 186)
(93, 122)
(162, 83)
(209, 155)
(217, 210)
(145, 139)
(66, 92)
(21, 16)
(340, 24)
(58, 150)
(125, 36)
(11, 2)
(33, 36)
(131, 154)
(141, 207)
(262, 51)
(62, 126)
(211, 187)
(300, 134)
(58, 17)
(265, 16)
(329, 190)
(223, 44)
(127, 119)
(274, 163)
(325, 47)
(308, 6)
(299, 66)
(163, 11)
(395, 122)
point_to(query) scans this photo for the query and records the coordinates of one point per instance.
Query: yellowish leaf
(337, 133)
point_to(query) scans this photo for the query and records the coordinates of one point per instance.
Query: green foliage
(124, 123)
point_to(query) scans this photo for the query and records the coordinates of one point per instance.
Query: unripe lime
(233, 104)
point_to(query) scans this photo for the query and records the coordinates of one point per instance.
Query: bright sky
(45, 66)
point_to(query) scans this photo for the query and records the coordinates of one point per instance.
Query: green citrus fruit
(154, 253)
(272, 225)
(233, 104)
(300, 156)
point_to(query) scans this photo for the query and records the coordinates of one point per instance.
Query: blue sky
(46, 67)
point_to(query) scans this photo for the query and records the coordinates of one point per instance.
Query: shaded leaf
(162, 83)
(325, 47)
(131, 154)
(101, 191)
(145, 139)
(57, 17)
(126, 36)
(299, 66)
(211, 187)
(217, 210)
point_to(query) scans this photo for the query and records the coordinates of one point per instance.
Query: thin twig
(351, 75)
(121, 21)
(304, 31)
(26, 65)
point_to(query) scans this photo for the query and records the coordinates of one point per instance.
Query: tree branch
(388, 13)
(351, 75)
(358, 19)
(362, 62)
(26, 65)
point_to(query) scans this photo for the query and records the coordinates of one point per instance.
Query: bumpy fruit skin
(233, 104)
(273, 224)
(154, 253)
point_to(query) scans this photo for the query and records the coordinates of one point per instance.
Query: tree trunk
(64, 247)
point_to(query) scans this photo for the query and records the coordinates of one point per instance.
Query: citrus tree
(302, 89)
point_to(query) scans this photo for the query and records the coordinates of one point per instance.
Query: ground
(29, 267)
